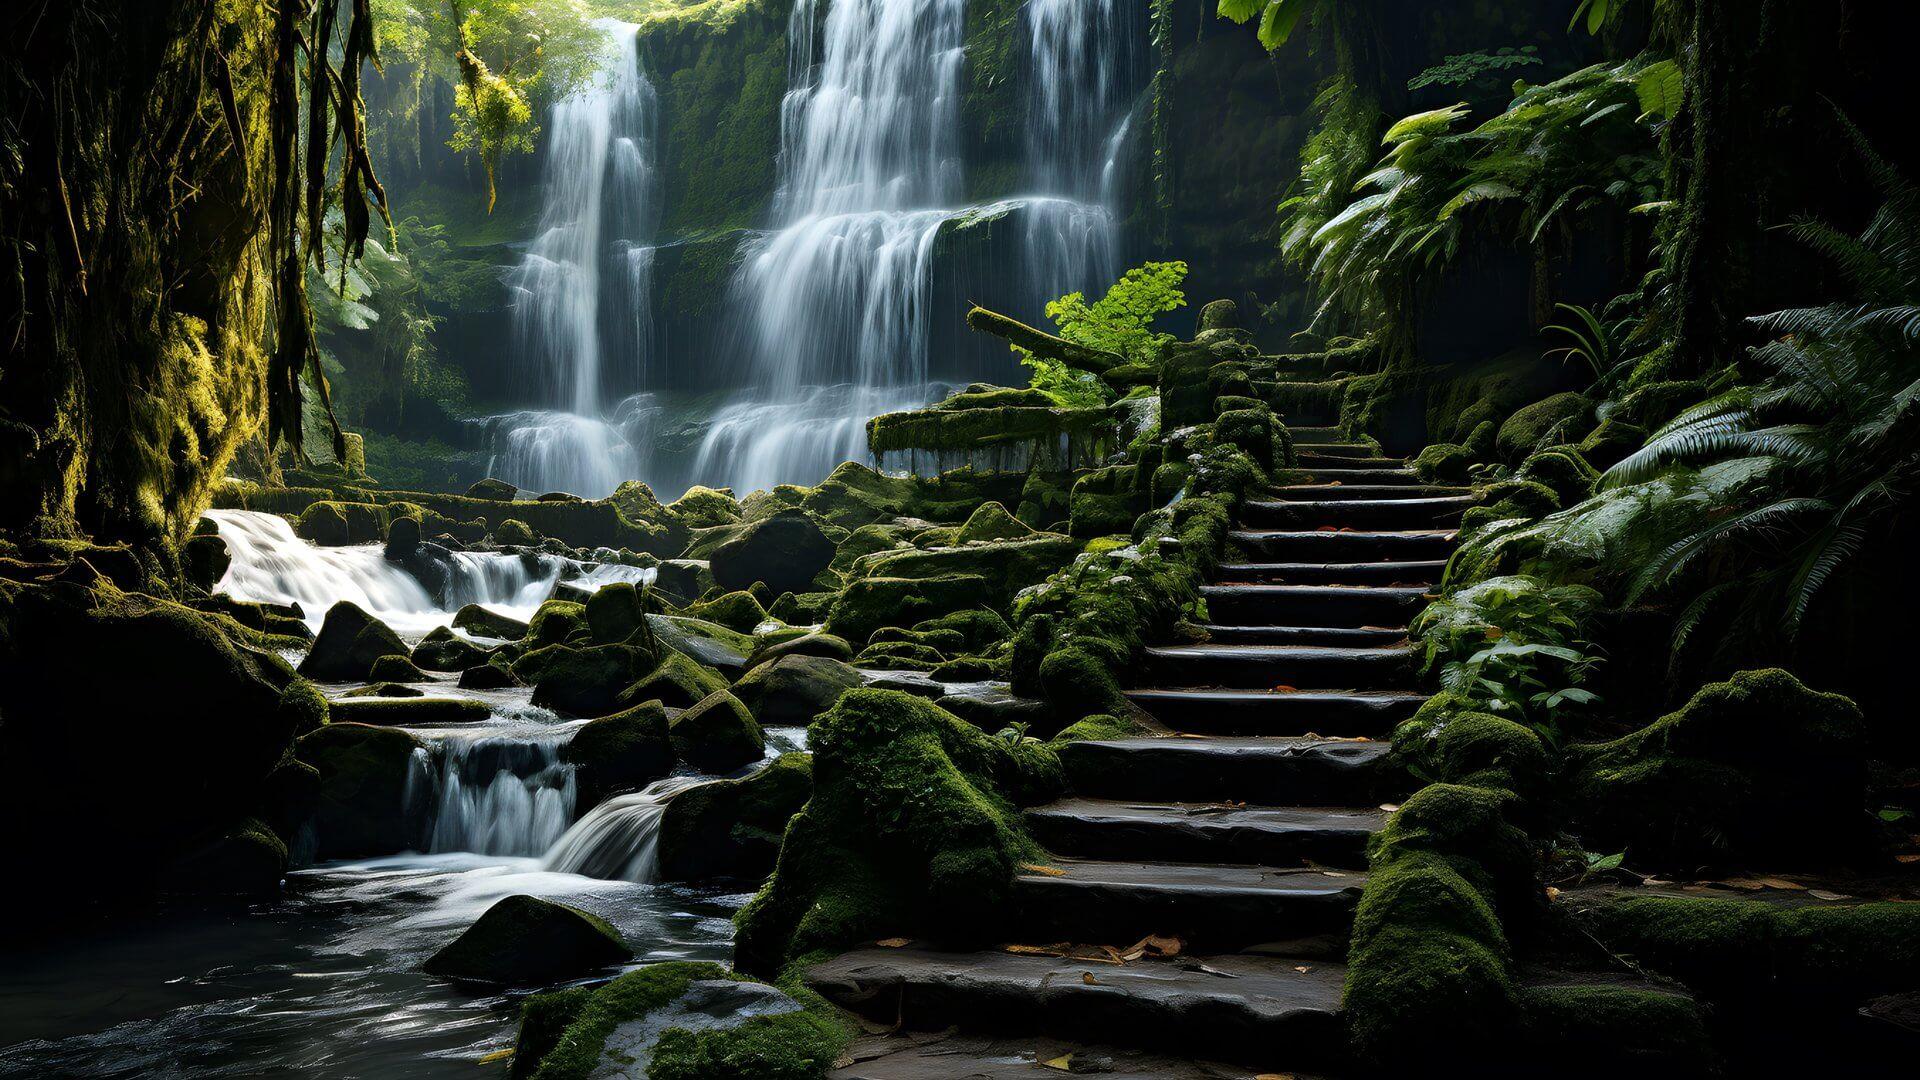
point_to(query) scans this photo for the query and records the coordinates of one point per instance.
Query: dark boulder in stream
(527, 941)
(350, 642)
(786, 550)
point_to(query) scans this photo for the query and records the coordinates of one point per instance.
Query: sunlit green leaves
(1661, 90)
(1278, 18)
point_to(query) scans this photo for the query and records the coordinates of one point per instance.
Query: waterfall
(583, 308)
(619, 840)
(502, 795)
(270, 564)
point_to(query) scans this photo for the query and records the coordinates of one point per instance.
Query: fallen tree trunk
(1041, 343)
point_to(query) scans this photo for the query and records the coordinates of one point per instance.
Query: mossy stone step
(1343, 492)
(1295, 771)
(1341, 447)
(1312, 458)
(1248, 1009)
(1331, 713)
(1425, 572)
(1263, 667)
(1313, 605)
(1333, 636)
(1209, 832)
(1208, 906)
(948, 1056)
(1356, 513)
(1305, 545)
(1393, 476)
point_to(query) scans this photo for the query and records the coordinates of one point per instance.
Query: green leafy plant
(1120, 322)
(1595, 342)
(1514, 647)
(1466, 69)
(1278, 18)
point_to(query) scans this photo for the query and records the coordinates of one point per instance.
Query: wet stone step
(1313, 605)
(1299, 545)
(1342, 492)
(1208, 906)
(1246, 1009)
(1390, 476)
(1239, 712)
(1424, 572)
(1206, 832)
(1330, 636)
(1263, 667)
(1313, 459)
(1341, 447)
(1272, 771)
(1356, 513)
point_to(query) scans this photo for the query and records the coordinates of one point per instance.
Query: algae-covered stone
(1443, 461)
(992, 522)
(350, 641)
(488, 676)
(444, 650)
(732, 828)
(705, 507)
(717, 734)
(362, 808)
(794, 689)
(1562, 418)
(738, 611)
(786, 551)
(396, 669)
(614, 613)
(475, 619)
(709, 643)
(248, 860)
(899, 656)
(980, 628)
(514, 533)
(622, 752)
(403, 538)
(527, 941)
(556, 621)
(871, 603)
(582, 681)
(1759, 768)
(492, 490)
(677, 683)
(410, 711)
(807, 644)
(205, 559)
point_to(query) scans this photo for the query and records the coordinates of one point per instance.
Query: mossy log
(1041, 343)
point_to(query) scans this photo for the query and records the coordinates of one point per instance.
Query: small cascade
(502, 795)
(583, 309)
(270, 564)
(619, 840)
(756, 445)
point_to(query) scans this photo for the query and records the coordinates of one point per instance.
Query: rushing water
(273, 565)
(502, 794)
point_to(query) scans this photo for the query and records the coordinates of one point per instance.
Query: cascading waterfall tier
(619, 840)
(501, 795)
(583, 292)
(270, 564)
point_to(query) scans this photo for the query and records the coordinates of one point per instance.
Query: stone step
(1332, 492)
(1356, 513)
(1263, 667)
(1314, 458)
(1267, 771)
(1317, 436)
(1210, 907)
(1248, 1009)
(1342, 447)
(1332, 636)
(948, 1055)
(1332, 713)
(1382, 477)
(1313, 605)
(1206, 832)
(1426, 572)
(1301, 545)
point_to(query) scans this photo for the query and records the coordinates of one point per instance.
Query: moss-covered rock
(514, 533)
(912, 828)
(1452, 743)
(409, 710)
(871, 603)
(622, 752)
(1255, 432)
(332, 523)
(246, 860)
(816, 643)
(1611, 442)
(556, 621)
(397, 669)
(717, 734)
(677, 682)
(739, 611)
(475, 619)
(614, 613)
(492, 490)
(1758, 769)
(363, 808)
(350, 641)
(444, 650)
(992, 522)
(582, 681)
(1562, 418)
(1620, 1029)
(527, 941)
(899, 656)
(1446, 462)
(785, 550)
(493, 675)
(1562, 469)
(794, 689)
(705, 507)
(732, 828)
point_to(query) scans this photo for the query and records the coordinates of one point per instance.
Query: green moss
(584, 1019)
(1563, 469)
(1756, 768)
(582, 681)
(1611, 442)
(555, 621)
(705, 507)
(620, 752)
(717, 734)
(871, 603)
(927, 803)
(1620, 1028)
(1470, 827)
(395, 669)
(1448, 742)
(1100, 726)
(677, 683)
(614, 613)
(1562, 418)
(514, 533)
(992, 522)
(732, 828)
(1443, 462)
(527, 941)
(899, 656)
(790, 1046)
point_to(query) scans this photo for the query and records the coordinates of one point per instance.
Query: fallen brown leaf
(497, 1055)
(1049, 871)
(1064, 1063)
(1302, 969)
(1907, 858)
(894, 942)
(1087, 977)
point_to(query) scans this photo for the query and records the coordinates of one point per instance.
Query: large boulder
(363, 807)
(444, 650)
(622, 752)
(615, 613)
(794, 689)
(1562, 418)
(350, 641)
(873, 602)
(527, 941)
(582, 681)
(787, 550)
(992, 522)
(809, 644)
(475, 619)
(492, 490)
(732, 828)
(717, 734)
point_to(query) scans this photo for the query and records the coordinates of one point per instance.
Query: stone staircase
(1242, 831)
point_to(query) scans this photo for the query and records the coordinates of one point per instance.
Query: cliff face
(136, 192)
